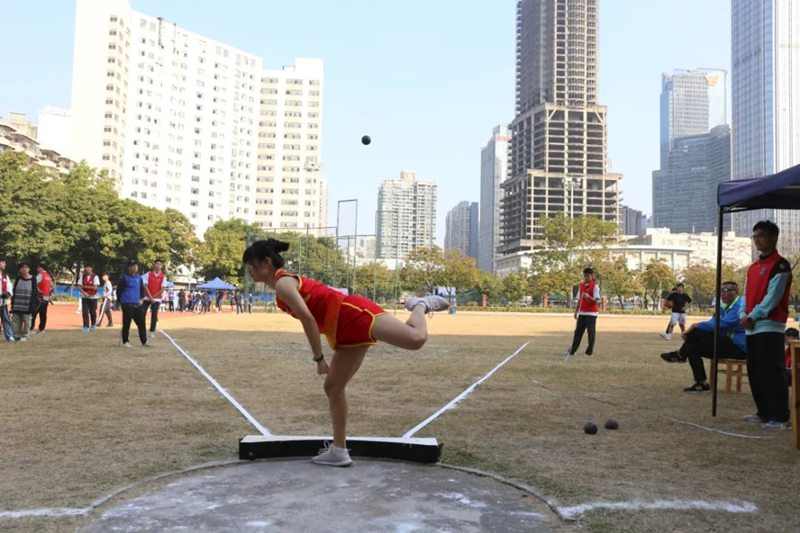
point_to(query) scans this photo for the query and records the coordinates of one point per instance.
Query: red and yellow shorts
(354, 324)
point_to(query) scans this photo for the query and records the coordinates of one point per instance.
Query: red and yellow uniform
(346, 321)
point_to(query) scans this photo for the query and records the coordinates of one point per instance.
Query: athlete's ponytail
(271, 248)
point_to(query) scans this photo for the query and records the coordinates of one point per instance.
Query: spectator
(108, 302)
(44, 284)
(90, 283)
(239, 297)
(699, 339)
(586, 311)
(23, 302)
(765, 309)
(130, 292)
(219, 298)
(171, 300)
(6, 292)
(181, 300)
(250, 302)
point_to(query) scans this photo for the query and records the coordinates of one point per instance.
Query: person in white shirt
(6, 292)
(108, 302)
(88, 288)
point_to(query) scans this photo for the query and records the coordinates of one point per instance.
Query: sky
(426, 79)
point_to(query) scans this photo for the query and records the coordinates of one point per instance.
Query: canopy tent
(778, 191)
(217, 284)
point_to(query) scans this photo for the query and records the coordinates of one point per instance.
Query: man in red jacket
(44, 282)
(586, 311)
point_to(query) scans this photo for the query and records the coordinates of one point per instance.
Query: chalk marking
(56, 512)
(461, 396)
(575, 511)
(261, 429)
(728, 433)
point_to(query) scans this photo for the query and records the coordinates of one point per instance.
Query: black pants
(135, 313)
(41, 313)
(89, 308)
(584, 323)
(700, 343)
(766, 364)
(154, 307)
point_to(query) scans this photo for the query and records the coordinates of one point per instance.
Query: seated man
(699, 339)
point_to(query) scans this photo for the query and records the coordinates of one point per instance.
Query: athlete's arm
(286, 289)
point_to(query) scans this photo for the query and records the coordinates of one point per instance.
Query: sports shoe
(91, 329)
(85, 330)
(753, 418)
(330, 455)
(151, 335)
(432, 303)
(666, 336)
(126, 345)
(11, 340)
(774, 424)
(24, 339)
(698, 387)
(148, 344)
(673, 357)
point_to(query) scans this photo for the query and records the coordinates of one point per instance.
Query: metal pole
(355, 243)
(305, 251)
(336, 247)
(717, 307)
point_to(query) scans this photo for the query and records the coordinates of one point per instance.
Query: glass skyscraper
(765, 55)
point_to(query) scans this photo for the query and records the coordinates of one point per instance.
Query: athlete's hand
(322, 367)
(747, 323)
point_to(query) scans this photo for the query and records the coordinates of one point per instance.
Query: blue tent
(778, 191)
(217, 284)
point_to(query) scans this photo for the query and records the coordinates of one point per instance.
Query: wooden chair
(733, 369)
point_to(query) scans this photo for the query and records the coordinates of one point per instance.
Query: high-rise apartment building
(558, 155)
(461, 229)
(685, 193)
(692, 103)
(634, 222)
(494, 171)
(406, 217)
(765, 57)
(182, 121)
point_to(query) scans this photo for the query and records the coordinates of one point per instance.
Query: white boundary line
(261, 429)
(461, 396)
(575, 511)
(728, 433)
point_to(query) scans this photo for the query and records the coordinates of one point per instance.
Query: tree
(700, 280)
(375, 281)
(460, 273)
(223, 246)
(514, 286)
(616, 279)
(656, 277)
(423, 270)
(488, 285)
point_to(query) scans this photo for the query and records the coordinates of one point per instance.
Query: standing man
(250, 302)
(44, 282)
(154, 291)
(763, 316)
(88, 288)
(6, 292)
(130, 291)
(586, 311)
(679, 301)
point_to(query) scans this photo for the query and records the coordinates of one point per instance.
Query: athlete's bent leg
(412, 335)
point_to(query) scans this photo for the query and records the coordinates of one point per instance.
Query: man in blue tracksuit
(699, 338)
(130, 292)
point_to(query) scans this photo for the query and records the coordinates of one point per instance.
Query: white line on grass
(264, 431)
(728, 433)
(461, 396)
(55, 513)
(575, 511)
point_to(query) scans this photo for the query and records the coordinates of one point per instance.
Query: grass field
(82, 417)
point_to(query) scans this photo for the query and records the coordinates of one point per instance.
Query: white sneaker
(753, 418)
(330, 455)
(432, 303)
(151, 335)
(24, 339)
(666, 336)
(126, 345)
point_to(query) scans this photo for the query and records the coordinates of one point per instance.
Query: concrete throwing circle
(295, 495)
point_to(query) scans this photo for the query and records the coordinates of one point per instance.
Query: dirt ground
(82, 417)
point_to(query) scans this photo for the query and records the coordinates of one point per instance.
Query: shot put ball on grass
(611, 424)
(365, 140)
(590, 428)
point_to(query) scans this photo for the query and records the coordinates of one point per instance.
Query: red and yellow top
(323, 302)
